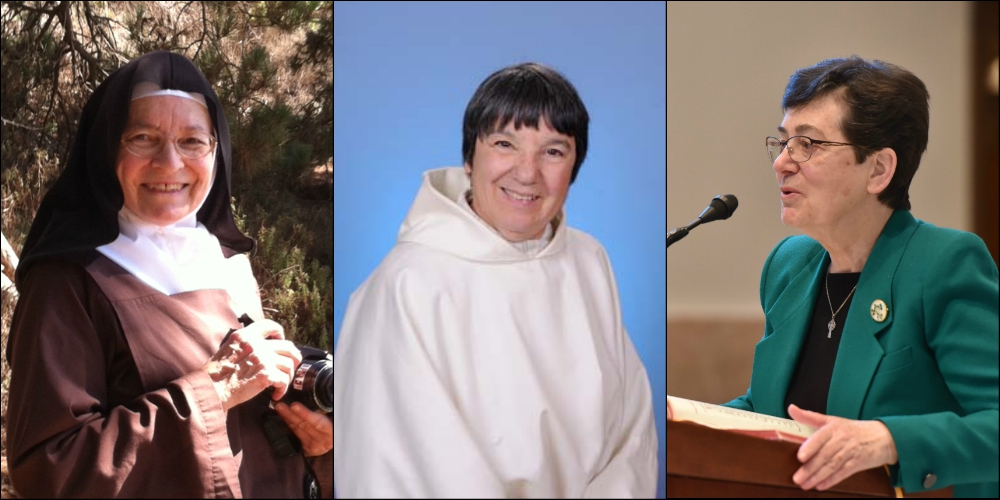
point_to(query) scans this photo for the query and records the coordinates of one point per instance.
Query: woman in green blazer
(881, 330)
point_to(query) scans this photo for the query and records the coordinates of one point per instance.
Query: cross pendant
(831, 325)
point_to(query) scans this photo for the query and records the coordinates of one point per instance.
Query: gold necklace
(833, 321)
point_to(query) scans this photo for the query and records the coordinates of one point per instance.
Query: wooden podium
(706, 462)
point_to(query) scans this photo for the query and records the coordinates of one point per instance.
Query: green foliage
(262, 139)
(298, 291)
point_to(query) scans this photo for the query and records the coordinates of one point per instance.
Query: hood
(438, 220)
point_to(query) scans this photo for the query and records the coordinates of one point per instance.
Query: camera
(312, 384)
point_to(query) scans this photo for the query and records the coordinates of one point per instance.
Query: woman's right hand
(251, 360)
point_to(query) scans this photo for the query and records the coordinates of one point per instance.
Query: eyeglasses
(146, 145)
(800, 147)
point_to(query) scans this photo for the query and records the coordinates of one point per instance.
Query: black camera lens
(313, 382)
(324, 387)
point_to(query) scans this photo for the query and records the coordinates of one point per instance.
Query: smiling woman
(491, 336)
(164, 180)
(521, 179)
(132, 279)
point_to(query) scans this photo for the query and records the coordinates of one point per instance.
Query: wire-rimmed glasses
(800, 147)
(146, 145)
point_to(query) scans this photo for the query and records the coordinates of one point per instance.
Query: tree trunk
(8, 264)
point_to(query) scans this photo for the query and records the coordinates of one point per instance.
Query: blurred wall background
(403, 75)
(727, 67)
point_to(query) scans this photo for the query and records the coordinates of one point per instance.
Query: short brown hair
(885, 106)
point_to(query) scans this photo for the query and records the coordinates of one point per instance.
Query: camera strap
(283, 441)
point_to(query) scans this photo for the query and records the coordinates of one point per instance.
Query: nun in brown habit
(126, 381)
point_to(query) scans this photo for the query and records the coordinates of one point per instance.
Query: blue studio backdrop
(403, 74)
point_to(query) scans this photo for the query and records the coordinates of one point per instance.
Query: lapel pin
(879, 310)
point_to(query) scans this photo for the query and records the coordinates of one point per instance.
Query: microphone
(722, 207)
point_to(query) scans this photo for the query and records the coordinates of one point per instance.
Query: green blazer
(928, 371)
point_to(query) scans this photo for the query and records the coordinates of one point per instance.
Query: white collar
(181, 257)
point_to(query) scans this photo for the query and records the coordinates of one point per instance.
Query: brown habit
(108, 398)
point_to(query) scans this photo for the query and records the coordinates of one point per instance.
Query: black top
(810, 384)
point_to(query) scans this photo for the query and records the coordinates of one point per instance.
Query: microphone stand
(679, 233)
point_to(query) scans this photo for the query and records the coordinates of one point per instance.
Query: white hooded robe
(466, 368)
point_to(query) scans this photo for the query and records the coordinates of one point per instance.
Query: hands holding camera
(255, 358)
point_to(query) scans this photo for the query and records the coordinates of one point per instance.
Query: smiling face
(830, 186)
(520, 179)
(167, 187)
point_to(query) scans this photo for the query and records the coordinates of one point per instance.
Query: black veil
(80, 211)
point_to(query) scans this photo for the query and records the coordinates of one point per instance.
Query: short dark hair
(885, 106)
(523, 94)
